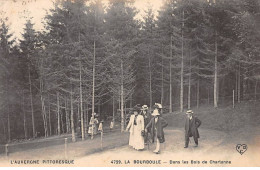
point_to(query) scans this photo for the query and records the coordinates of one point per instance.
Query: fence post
(66, 147)
(6, 150)
(233, 98)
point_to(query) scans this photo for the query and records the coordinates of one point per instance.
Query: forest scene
(96, 57)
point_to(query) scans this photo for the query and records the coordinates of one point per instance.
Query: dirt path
(212, 146)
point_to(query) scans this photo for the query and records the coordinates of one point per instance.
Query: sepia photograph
(129, 83)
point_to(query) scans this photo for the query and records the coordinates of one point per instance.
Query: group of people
(142, 123)
(146, 126)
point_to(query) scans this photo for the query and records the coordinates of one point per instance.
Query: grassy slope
(224, 119)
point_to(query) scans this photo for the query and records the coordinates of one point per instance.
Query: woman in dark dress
(157, 123)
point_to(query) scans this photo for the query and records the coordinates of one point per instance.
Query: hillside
(227, 119)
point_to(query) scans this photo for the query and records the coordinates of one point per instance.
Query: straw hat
(189, 112)
(159, 105)
(144, 107)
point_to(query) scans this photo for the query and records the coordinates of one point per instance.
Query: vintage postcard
(129, 83)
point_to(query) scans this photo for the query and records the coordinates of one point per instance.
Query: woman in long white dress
(136, 128)
(93, 125)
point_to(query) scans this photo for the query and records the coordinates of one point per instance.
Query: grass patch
(224, 118)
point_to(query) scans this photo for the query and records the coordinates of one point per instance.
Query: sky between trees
(17, 11)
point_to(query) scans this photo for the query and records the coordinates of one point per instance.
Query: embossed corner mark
(241, 148)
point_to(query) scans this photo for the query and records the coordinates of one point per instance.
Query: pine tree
(122, 28)
(147, 69)
(8, 86)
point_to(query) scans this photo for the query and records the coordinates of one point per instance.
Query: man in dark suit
(191, 128)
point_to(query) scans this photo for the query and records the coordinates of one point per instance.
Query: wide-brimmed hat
(144, 107)
(159, 105)
(189, 112)
(155, 112)
(136, 108)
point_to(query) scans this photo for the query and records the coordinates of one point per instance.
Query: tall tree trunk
(67, 116)
(150, 80)
(81, 101)
(9, 128)
(122, 97)
(8, 139)
(218, 84)
(72, 117)
(119, 99)
(162, 90)
(239, 82)
(198, 93)
(236, 86)
(170, 95)
(85, 119)
(31, 99)
(189, 88)
(87, 116)
(44, 118)
(99, 106)
(24, 118)
(182, 64)
(93, 85)
(131, 100)
(62, 123)
(114, 109)
(50, 128)
(216, 72)
(125, 114)
(245, 82)
(80, 88)
(58, 112)
(78, 115)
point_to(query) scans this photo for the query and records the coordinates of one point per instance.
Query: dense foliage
(93, 58)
